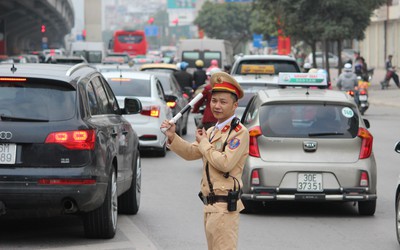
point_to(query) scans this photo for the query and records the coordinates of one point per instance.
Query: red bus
(132, 42)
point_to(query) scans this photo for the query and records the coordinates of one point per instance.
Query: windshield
(130, 38)
(266, 67)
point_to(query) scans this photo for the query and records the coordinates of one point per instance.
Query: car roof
(59, 72)
(304, 94)
(159, 66)
(128, 74)
(265, 57)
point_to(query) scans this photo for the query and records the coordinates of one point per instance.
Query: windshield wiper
(21, 119)
(325, 134)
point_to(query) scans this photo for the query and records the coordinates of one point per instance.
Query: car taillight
(366, 144)
(253, 147)
(171, 104)
(255, 177)
(153, 111)
(364, 181)
(75, 140)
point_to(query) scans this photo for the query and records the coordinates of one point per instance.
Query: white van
(93, 52)
(189, 50)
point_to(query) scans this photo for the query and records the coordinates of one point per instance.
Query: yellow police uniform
(221, 225)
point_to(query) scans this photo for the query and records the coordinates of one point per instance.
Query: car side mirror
(366, 122)
(171, 98)
(397, 147)
(132, 106)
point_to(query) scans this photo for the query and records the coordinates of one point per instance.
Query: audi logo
(5, 135)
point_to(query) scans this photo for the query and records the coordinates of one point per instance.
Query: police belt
(211, 199)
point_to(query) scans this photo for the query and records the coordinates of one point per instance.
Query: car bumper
(23, 191)
(275, 194)
(150, 136)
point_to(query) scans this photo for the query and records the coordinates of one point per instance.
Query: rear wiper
(324, 134)
(21, 119)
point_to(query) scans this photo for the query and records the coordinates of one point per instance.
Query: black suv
(65, 146)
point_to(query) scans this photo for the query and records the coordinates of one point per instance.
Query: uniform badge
(234, 143)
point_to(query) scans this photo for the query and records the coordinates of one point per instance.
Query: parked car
(320, 60)
(308, 144)
(149, 90)
(180, 99)
(66, 147)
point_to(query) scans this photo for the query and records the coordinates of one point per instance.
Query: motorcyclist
(214, 64)
(199, 75)
(348, 81)
(184, 78)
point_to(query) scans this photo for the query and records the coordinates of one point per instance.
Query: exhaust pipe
(3, 209)
(69, 206)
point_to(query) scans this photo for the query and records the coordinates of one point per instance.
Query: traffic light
(151, 20)
(43, 28)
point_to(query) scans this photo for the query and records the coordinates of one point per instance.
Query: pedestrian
(390, 73)
(208, 120)
(184, 78)
(224, 149)
(199, 75)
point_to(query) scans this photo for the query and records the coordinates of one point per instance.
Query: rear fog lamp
(364, 182)
(255, 177)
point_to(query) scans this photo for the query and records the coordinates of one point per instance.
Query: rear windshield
(35, 100)
(266, 67)
(129, 87)
(130, 38)
(308, 120)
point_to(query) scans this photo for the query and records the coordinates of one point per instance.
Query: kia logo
(310, 146)
(5, 135)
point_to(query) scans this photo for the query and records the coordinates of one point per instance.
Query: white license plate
(309, 182)
(7, 153)
(362, 97)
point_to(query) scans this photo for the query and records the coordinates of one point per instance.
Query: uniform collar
(221, 125)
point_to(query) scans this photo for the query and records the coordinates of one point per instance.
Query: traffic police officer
(224, 149)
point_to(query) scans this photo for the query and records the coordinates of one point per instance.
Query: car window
(166, 84)
(37, 99)
(160, 91)
(130, 86)
(110, 95)
(308, 120)
(251, 111)
(102, 98)
(92, 99)
(269, 67)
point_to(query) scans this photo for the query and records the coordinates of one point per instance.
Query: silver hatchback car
(308, 144)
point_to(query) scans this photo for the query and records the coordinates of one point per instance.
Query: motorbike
(388, 76)
(361, 96)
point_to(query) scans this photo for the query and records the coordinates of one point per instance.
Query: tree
(315, 20)
(229, 21)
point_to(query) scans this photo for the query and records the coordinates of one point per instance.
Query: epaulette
(225, 128)
(238, 127)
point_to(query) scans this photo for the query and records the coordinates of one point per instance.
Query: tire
(367, 207)
(163, 151)
(398, 217)
(102, 222)
(129, 202)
